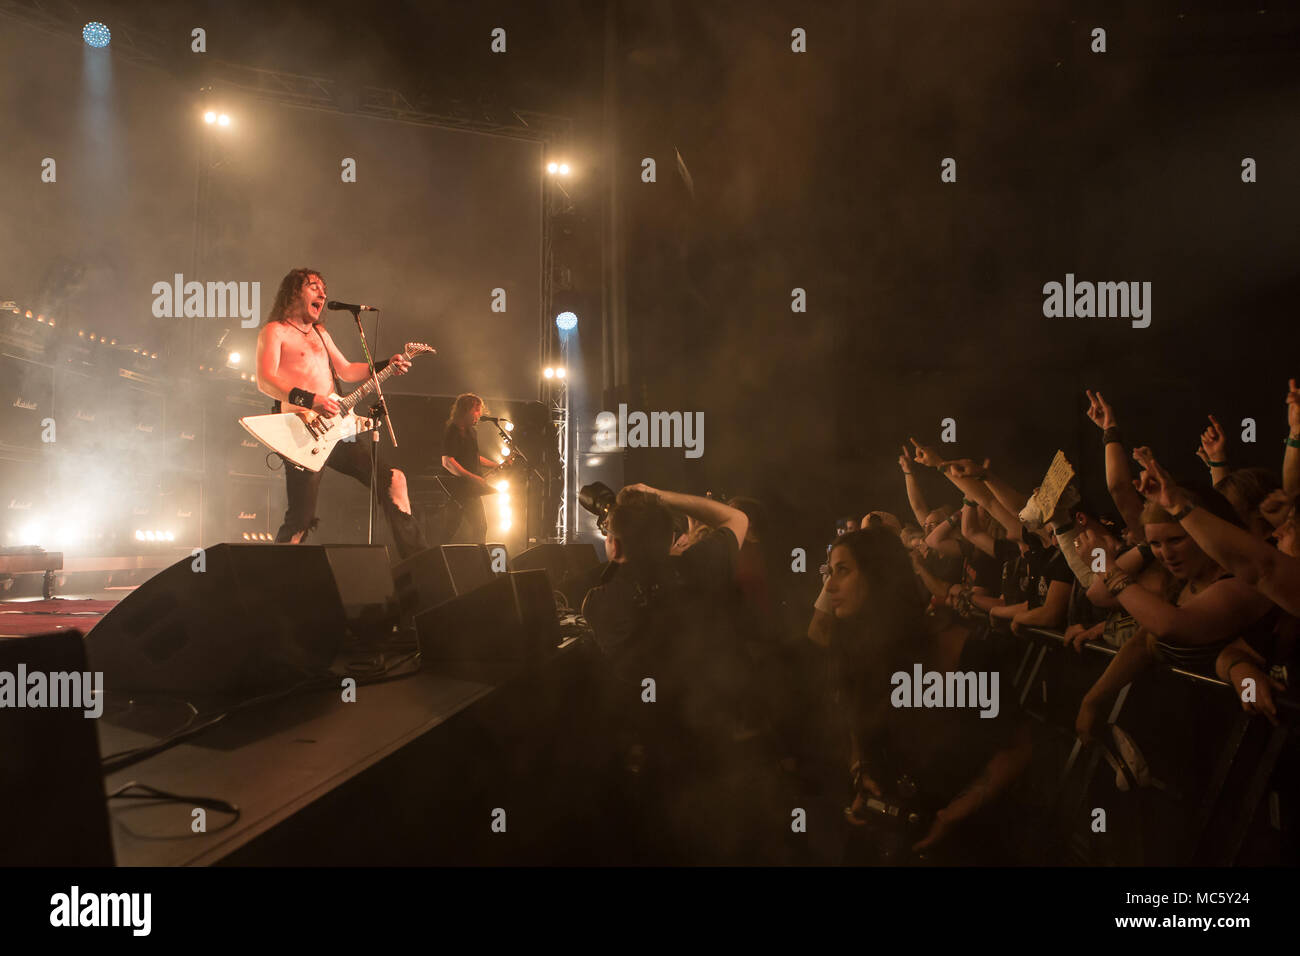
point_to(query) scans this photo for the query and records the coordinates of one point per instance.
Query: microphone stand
(378, 410)
(529, 471)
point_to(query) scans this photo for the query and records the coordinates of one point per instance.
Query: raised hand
(1293, 407)
(1213, 442)
(966, 467)
(1086, 543)
(1156, 484)
(1099, 412)
(925, 455)
(905, 461)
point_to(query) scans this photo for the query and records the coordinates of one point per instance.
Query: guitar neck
(351, 400)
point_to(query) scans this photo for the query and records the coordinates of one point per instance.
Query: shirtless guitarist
(296, 364)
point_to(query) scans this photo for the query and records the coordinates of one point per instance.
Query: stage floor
(24, 617)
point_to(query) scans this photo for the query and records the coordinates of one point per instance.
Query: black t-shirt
(1045, 566)
(982, 570)
(670, 621)
(462, 447)
(1015, 570)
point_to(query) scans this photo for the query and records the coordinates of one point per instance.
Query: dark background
(821, 171)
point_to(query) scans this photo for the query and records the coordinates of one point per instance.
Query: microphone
(348, 307)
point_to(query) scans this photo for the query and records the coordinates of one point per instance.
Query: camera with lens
(597, 499)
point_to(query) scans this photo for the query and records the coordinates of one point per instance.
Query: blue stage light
(96, 34)
(566, 321)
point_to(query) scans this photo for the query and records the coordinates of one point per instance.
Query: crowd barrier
(1213, 784)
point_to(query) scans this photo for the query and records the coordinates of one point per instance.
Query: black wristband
(302, 397)
(1110, 434)
(380, 366)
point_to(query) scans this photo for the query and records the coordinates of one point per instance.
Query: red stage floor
(24, 618)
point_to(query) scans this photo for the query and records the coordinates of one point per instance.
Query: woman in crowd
(1204, 610)
(947, 764)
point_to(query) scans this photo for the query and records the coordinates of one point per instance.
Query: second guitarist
(460, 457)
(296, 363)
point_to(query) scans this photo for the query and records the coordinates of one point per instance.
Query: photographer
(666, 617)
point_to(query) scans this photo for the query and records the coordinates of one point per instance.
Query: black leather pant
(350, 458)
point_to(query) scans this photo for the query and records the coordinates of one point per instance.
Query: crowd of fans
(1203, 576)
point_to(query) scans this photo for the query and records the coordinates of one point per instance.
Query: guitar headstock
(417, 348)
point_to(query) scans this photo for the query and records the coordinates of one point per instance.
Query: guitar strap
(338, 385)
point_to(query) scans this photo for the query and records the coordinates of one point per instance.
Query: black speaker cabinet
(573, 569)
(365, 584)
(52, 807)
(236, 620)
(512, 618)
(422, 582)
(469, 565)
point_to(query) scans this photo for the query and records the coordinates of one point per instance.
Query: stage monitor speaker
(573, 569)
(510, 619)
(422, 582)
(52, 806)
(234, 621)
(469, 566)
(365, 584)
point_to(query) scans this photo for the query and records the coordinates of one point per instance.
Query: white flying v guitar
(305, 437)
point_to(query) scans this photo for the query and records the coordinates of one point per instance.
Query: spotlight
(171, 536)
(233, 358)
(564, 169)
(96, 34)
(246, 536)
(149, 536)
(560, 372)
(505, 450)
(223, 120)
(139, 535)
(552, 168)
(503, 486)
(209, 117)
(566, 321)
(549, 373)
(508, 426)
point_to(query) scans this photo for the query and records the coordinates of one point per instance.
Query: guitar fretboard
(346, 403)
